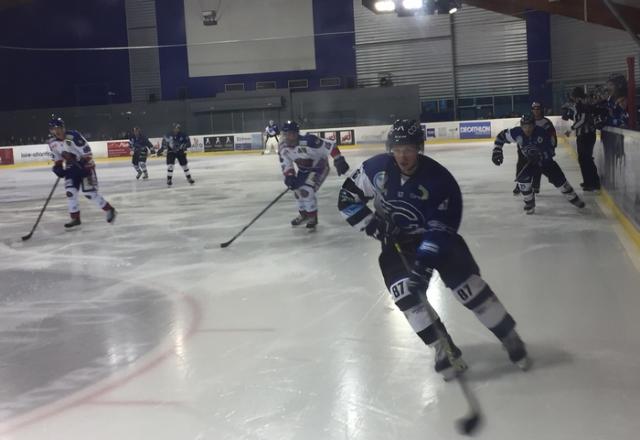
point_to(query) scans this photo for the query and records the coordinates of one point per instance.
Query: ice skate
(73, 223)
(312, 224)
(577, 202)
(449, 365)
(300, 219)
(111, 215)
(517, 350)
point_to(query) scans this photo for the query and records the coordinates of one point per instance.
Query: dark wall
(32, 79)
(335, 54)
(313, 109)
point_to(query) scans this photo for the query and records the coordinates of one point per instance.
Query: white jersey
(74, 147)
(310, 154)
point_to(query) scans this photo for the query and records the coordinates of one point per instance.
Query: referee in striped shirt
(586, 138)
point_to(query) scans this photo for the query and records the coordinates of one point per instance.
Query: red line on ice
(154, 362)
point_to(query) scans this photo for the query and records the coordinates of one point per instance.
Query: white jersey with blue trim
(309, 153)
(74, 147)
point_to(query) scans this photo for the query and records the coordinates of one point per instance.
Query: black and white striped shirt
(583, 119)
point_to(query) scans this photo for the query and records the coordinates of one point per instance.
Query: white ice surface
(290, 335)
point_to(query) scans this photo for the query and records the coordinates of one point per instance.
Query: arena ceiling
(592, 11)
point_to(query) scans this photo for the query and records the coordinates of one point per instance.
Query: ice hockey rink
(147, 329)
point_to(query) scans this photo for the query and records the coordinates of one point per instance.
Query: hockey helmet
(291, 126)
(527, 119)
(55, 121)
(406, 132)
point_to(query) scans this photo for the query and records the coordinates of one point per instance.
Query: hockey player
(74, 163)
(310, 154)
(176, 143)
(536, 145)
(140, 147)
(271, 142)
(541, 121)
(417, 206)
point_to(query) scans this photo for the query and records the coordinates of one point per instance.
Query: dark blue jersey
(426, 206)
(140, 143)
(540, 141)
(176, 142)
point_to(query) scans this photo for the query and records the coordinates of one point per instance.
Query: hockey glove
(381, 230)
(419, 278)
(497, 157)
(59, 171)
(341, 165)
(291, 182)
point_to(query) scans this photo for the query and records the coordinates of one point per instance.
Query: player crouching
(73, 161)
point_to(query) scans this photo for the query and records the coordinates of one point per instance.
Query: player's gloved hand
(497, 157)
(59, 171)
(291, 182)
(381, 229)
(341, 165)
(419, 277)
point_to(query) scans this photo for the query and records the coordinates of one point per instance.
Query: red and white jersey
(310, 154)
(74, 148)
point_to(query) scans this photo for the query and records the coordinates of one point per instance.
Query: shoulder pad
(312, 140)
(75, 137)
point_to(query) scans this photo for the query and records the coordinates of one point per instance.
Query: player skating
(176, 143)
(140, 148)
(417, 209)
(536, 145)
(541, 121)
(73, 161)
(310, 155)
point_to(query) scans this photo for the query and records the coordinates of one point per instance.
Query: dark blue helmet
(291, 126)
(55, 121)
(406, 132)
(527, 119)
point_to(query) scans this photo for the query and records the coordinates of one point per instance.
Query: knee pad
(169, 167)
(472, 292)
(304, 193)
(421, 318)
(404, 299)
(524, 186)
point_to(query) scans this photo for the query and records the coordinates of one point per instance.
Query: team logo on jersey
(403, 214)
(423, 194)
(540, 140)
(380, 181)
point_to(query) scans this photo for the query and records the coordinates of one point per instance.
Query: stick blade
(225, 244)
(26, 237)
(468, 425)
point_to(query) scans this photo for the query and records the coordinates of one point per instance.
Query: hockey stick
(28, 236)
(469, 423)
(526, 165)
(227, 243)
